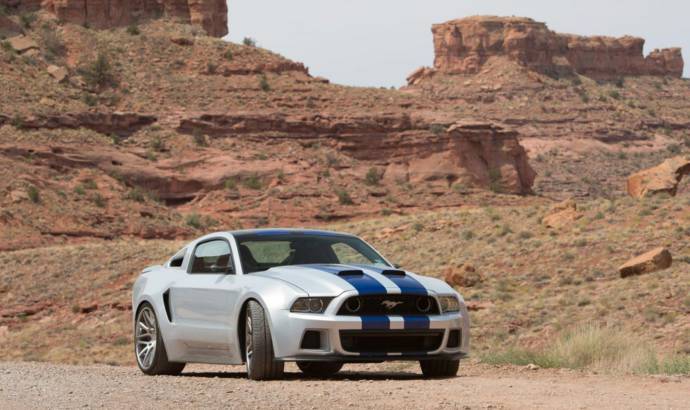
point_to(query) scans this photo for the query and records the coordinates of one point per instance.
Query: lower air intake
(391, 341)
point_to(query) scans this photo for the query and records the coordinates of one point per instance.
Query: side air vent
(392, 272)
(166, 305)
(351, 273)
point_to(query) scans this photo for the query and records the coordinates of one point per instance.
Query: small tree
(99, 73)
(263, 83)
(249, 42)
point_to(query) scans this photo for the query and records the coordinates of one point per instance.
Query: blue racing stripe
(364, 284)
(375, 323)
(417, 322)
(407, 284)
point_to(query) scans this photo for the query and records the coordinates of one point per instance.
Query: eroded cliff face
(463, 46)
(209, 14)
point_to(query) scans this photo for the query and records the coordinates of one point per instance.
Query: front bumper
(288, 330)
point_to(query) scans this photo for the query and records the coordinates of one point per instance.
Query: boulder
(465, 276)
(664, 178)
(58, 73)
(652, 261)
(22, 44)
(562, 214)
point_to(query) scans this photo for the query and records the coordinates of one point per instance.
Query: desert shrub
(34, 195)
(133, 30)
(89, 184)
(199, 139)
(98, 73)
(98, 200)
(252, 182)
(263, 83)
(230, 184)
(228, 55)
(27, 20)
(344, 197)
(53, 46)
(437, 129)
(674, 149)
(495, 176)
(194, 220)
(158, 144)
(249, 42)
(136, 194)
(373, 177)
(601, 348)
(615, 94)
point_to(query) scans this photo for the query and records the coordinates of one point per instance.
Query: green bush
(495, 183)
(373, 177)
(263, 83)
(27, 20)
(133, 30)
(437, 129)
(194, 220)
(252, 182)
(344, 197)
(615, 94)
(53, 46)
(34, 195)
(228, 55)
(98, 73)
(248, 41)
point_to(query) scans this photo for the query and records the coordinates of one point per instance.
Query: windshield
(262, 251)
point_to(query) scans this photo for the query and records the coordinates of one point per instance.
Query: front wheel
(149, 347)
(439, 368)
(319, 369)
(261, 362)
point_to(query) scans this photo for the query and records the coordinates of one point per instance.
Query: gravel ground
(41, 385)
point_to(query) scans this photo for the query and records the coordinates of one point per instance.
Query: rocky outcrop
(478, 154)
(211, 15)
(562, 214)
(663, 178)
(463, 46)
(122, 124)
(652, 261)
(465, 276)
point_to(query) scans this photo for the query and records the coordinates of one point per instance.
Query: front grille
(391, 341)
(389, 305)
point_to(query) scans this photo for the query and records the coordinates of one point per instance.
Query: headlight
(449, 304)
(310, 305)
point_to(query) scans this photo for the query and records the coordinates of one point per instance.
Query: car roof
(284, 231)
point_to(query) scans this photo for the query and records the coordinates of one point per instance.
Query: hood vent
(392, 272)
(353, 272)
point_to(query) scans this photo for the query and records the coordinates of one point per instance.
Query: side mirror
(222, 269)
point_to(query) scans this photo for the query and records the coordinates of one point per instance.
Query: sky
(379, 42)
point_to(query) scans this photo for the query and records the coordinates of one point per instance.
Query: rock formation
(479, 154)
(209, 14)
(652, 261)
(664, 178)
(562, 214)
(463, 46)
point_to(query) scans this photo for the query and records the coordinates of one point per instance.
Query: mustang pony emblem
(389, 304)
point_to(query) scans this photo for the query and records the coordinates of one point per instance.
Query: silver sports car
(266, 297)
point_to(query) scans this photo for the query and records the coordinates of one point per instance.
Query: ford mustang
(266, 297)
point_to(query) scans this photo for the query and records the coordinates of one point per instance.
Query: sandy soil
(40, 385)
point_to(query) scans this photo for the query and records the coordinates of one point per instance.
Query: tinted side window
(211, 257)
(176, 261)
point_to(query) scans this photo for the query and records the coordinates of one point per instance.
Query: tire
(319, 369)
(155, 363)
(260, 359)
(439, 368)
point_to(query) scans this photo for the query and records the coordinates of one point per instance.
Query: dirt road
(38, 385)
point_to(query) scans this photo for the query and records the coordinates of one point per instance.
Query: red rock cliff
(463, 46)
(209, 14)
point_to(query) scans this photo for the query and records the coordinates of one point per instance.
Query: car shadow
(342, 376)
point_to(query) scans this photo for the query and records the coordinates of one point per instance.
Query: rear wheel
(261, 362)
(319, 369)
(439, 368)
(149, 347)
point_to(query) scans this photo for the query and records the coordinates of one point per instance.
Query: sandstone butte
(463, 46)
(211, 15)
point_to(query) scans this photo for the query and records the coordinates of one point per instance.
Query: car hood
(332, 280)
